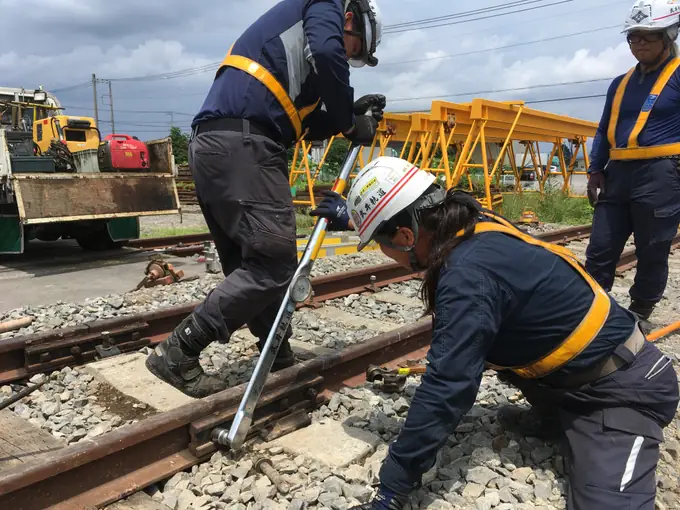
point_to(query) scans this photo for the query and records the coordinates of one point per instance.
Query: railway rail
(94, 473)
(23, 356)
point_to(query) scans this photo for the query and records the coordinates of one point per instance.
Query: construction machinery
(52, 185)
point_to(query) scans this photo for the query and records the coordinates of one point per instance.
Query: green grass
(304, 222)
(552, 207)
(174, 231)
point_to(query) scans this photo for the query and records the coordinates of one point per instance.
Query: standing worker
(635, 159)
(285, 78)
(504, 300)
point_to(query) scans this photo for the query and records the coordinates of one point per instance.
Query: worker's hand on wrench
(364, 130)
(334, 208)
(374, 102)
(596, 182)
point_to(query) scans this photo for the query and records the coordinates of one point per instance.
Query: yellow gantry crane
(475, 140)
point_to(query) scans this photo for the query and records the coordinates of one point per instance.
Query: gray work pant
(613, 428)
(242, 188)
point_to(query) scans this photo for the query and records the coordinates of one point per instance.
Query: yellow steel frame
(470, 127)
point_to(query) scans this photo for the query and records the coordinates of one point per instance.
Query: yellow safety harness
(633, 151)
(584, 333)
(268, 80)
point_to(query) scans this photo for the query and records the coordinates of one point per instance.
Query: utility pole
(96, 110)
(113, 125)
(172, 119)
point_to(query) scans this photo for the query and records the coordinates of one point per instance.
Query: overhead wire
(498, 91)
(215, 65)
(506, 5)
(449, 23)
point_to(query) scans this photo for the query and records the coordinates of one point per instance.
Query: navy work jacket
(498, 299)
(301, 43)
(663, 125)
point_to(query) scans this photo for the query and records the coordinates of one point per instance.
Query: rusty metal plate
(71, 197)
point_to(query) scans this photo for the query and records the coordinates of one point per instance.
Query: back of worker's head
(367, 26)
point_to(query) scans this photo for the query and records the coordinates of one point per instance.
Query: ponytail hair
(459, 211)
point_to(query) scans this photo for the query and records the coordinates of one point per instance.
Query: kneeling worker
(504, 300)
(285, 78)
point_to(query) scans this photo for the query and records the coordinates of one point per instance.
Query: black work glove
(374, 102)
(384, 500)
(595, 183)
(364, 130)
(334, 208)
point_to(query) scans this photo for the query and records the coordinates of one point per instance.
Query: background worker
(502, 299)
(286, 77)
(634, 159)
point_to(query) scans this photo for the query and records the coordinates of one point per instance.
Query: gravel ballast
(483, 466)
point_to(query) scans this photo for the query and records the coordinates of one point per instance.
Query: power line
(213, 66)
(514, 45)
(166, 112)
(540, 86)
(479, 18)
(560, 99)
(507, 5)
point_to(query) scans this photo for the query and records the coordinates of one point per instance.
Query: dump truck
(52, 186)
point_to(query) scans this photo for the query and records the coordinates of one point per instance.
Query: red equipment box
(123, 153)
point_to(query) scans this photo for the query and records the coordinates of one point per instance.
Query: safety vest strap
(657, 151)
(268, 80)
(632, 149)
(585, 332)
(616, 108)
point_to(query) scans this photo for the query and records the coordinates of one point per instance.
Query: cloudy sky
(141, 46)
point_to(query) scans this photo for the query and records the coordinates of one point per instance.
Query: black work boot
(175, 361)
(643, 310)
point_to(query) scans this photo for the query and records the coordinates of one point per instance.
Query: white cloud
(71, 40)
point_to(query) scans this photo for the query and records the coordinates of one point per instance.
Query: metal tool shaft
(244, 416)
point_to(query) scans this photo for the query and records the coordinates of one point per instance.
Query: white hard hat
(654, 16)
(369, 18)
(384, 188)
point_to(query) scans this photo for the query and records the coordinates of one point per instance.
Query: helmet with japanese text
(384, 188)
(367, 13)
(654, 16)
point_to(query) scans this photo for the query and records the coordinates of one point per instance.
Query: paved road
(61, 271)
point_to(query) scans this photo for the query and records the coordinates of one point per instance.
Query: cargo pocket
(270, 229)
(633, 440)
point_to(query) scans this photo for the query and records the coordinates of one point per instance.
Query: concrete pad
(129, 375)
(138, 501)
(330, 442)
(342, 317)
(387, 296)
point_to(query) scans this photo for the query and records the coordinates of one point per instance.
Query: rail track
(23, 356)
(111, 467)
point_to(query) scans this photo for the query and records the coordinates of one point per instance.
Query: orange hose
(661, 332)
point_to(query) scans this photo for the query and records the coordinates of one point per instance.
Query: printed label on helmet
(369, 185)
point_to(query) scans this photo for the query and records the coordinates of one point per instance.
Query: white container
(86, 161)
